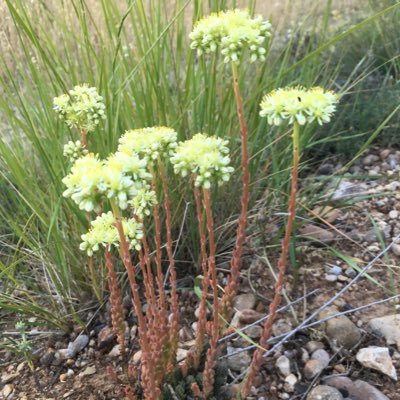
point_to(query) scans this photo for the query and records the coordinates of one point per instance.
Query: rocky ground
(354, 356)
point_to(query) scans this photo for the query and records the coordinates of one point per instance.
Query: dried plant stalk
(117, 308)
(258, 354)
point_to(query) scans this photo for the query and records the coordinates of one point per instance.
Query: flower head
(84, 182)
(206, 157)
(296, 104)
(151, 142)
(143, 201)
(123, 176)
(232, 31)
(74, 150)
(82, 107)
(103, 232)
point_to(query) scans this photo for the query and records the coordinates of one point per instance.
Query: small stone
(317, 233)
(327, 213)
(377, 358)
(323, 392)
(370, 159)
(283, 365)
(350, 272)
(116, 351)
(248, 316)
(137, 357)
(290, 383)
(245, 301)
(77, 345)
(331, 278)
(313, 345)
(339, 368)
(333, 270)
(364, 390)
(238, 362)
(281, 327)
(388, 327)
(322, 356)
(394, 214)
(90, 370)
(304, 355)
(7, 390)
(384, 154)
(396, 249)
(254, 332)
(106, 337)
(347, 189)
(181, 355)
(340, 330)
(8, 377)
(63, 377)
(312, 368)
(326, 169)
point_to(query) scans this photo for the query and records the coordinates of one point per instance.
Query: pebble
(283, 365)
(347, 189)
(317, 233)
(106, 337)
(116, 351)
(137, 357)
(77, 345)
(393, 214)
(281, 327)
(388, 327)
(358, 390)
(313, 345)
(238, 362)
(333, 270)
(245, 301)
(254, 332)
(327, 213)
(323, 392)
(290, 383)
(248, 316)
(377, 358)
(370, 159)
(340, 330)
(396, 249)
(318, 362)
(331, 278)
(7, 390)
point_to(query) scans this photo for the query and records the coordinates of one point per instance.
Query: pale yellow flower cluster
(82, 107)
(205, 157)
(103, 232)
(232, 31)
(152, 142)
(74, 150)
(119, 177)
(297, 104)
(143, 201)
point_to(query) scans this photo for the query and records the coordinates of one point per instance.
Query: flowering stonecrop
(205, 157)
(152, 142)
(297, 104)
(143, 202)
(82, 107)
(103, 232)
(85, 182)
(74, 150)
(123, 176)
(232, 31)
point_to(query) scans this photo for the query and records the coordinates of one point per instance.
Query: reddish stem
(258, 358)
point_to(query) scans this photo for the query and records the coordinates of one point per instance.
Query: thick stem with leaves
(202, 319)
(258, 358)
(150, 387)
(174, 334)
(233, 281)
(117, 308)
(211, 357)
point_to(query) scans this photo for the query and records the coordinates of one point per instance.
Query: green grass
(140, 61)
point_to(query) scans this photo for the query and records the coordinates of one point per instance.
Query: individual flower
(143, 202)
(82, 107)
(206, 157)
(123, 176)
(85, 182)
(74, 150)
(103, 232)
(297, 104)
(232, 31)
(153, 142)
